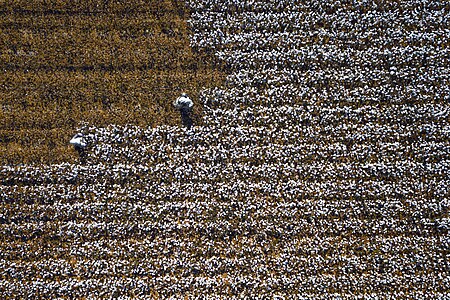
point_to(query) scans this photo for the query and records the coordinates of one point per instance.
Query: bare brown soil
(86, 61)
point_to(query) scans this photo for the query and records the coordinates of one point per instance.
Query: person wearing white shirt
(184, 104)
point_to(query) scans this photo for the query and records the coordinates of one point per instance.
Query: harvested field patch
(66, 62)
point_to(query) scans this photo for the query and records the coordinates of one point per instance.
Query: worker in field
(184, 104)
(80, 144)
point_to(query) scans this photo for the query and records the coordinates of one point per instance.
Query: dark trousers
(186, 118)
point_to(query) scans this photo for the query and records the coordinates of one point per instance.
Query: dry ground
(69, 62)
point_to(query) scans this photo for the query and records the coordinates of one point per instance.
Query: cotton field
(320, 170)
